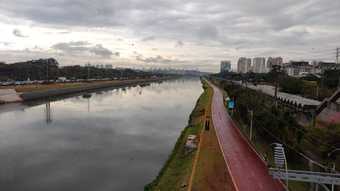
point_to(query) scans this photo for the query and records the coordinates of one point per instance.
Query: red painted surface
(248, 171)
(334, 118)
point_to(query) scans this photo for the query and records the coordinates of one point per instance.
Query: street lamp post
(333, 166)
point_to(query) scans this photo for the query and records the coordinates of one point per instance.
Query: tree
(291, 85)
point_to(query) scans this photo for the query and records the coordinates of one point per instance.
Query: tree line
(49, 69)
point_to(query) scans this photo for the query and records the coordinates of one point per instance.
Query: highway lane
(248, 171)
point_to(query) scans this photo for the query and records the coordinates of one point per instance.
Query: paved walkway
(248, 171)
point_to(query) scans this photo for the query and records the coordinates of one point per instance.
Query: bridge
(326, 101)
(319, 178)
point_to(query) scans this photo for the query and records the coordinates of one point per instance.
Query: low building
(100, 66)
(320, 67)
(298, 68)
(108, 66)
(61, 79)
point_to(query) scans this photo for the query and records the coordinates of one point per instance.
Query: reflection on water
(114, 140)
(48, 113)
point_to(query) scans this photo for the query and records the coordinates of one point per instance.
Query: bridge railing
(306, 176)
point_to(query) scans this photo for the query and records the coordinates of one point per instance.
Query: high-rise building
(259, 65)
(277, 61)
(248, 63)
(244, 65)
(225, 66)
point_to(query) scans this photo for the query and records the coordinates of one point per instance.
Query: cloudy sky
(193, 34)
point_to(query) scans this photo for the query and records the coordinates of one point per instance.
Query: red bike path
(248, 171)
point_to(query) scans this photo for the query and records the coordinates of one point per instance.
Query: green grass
(177, 169)
(211, 171)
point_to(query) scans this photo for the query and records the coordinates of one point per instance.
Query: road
(248, 171)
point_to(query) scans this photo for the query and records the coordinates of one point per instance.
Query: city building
(259, 65)
(244, 65)
(320, 67)
(276, 61)
(225, 66)
(100, 66)
(108, 66)
(298, 68)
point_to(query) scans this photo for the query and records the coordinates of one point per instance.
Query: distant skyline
(168, 33)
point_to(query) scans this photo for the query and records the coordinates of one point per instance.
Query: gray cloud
(197, 18)
(248, 26)
(117, 54)
(101, 51)
(154, 60)
(83, 47)
(5, 43)
(149, 38)
(179, 43)
(18, 33)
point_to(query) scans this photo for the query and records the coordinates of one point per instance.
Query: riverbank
(210, 171)
(202, 169)
(35, 92)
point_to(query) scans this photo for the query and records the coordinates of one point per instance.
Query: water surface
(116, 140)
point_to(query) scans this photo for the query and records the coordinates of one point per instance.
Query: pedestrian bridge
(306, 176)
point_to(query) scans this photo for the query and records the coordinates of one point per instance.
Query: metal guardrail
(306, 176)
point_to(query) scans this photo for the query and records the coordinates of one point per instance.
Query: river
(116, 140)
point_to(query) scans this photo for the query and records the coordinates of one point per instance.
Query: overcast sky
(195, 34)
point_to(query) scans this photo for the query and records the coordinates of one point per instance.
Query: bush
(291, 85)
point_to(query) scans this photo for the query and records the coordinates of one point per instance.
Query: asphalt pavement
(247, 169)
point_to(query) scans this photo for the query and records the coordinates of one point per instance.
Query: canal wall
(8, 96)
(36, 95)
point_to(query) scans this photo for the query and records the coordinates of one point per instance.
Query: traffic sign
(231, 104)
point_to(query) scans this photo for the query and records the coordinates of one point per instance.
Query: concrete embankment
(9, 96)
(177, 170)
(29, 96)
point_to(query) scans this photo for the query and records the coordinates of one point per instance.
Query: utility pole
(47, 73)
(88, 71)
(337, 55)
(277, 72)
(251, 125)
